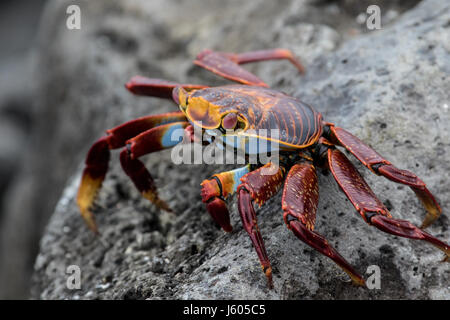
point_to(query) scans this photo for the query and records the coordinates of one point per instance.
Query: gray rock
(390, 87)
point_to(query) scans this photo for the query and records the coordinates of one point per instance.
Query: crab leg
(155, 139)
(217, 189)
(370, 207)
(157, 87)
(258, 186)
(299, 203)
(380, 166)
(227, 64)
(96, 164)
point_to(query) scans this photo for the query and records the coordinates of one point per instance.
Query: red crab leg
(97, 159)
(370, 207)
(152, 140)
(380, 166)
(226, 64)
(299, 203)
(157, 87)
(217, 189)
(259, 186)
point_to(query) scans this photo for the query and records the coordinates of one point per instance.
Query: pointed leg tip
(167, 208)
(164, 206)
(446, 250)
(96, 232)
(87, 193)
(268, 273)
(357, 279)
(88, 218)
(429, 220)
(92, 225)
(227, 228)
(358, 282)
(301, 70)
(152, 196)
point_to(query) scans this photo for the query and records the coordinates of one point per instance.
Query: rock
(394, 99)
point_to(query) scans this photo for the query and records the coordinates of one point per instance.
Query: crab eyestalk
(180, 97)
(229, 122)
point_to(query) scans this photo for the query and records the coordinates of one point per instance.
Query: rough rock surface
(389, 87)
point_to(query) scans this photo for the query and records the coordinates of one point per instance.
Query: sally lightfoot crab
(305, 142)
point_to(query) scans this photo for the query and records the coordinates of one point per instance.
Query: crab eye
(229, 121)
(180, 96)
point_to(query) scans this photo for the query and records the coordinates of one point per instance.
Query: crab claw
(216, 206)
(86, 196)
(92, 179)
(218, 210)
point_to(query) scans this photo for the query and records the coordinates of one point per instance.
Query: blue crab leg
(216, 189)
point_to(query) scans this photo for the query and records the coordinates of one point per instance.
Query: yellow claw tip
(433, 209)
(88, 218)
(153, 197)
(161, 204)
(356, 280)
(427, 222)
(94, 229)
(87, 193)
(268, 273)
(165, 206)
(359, 282)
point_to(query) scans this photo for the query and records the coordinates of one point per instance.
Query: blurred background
(59, 89)
(19, 22)
(19, 25)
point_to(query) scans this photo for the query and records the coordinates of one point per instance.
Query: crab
(306, 142)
